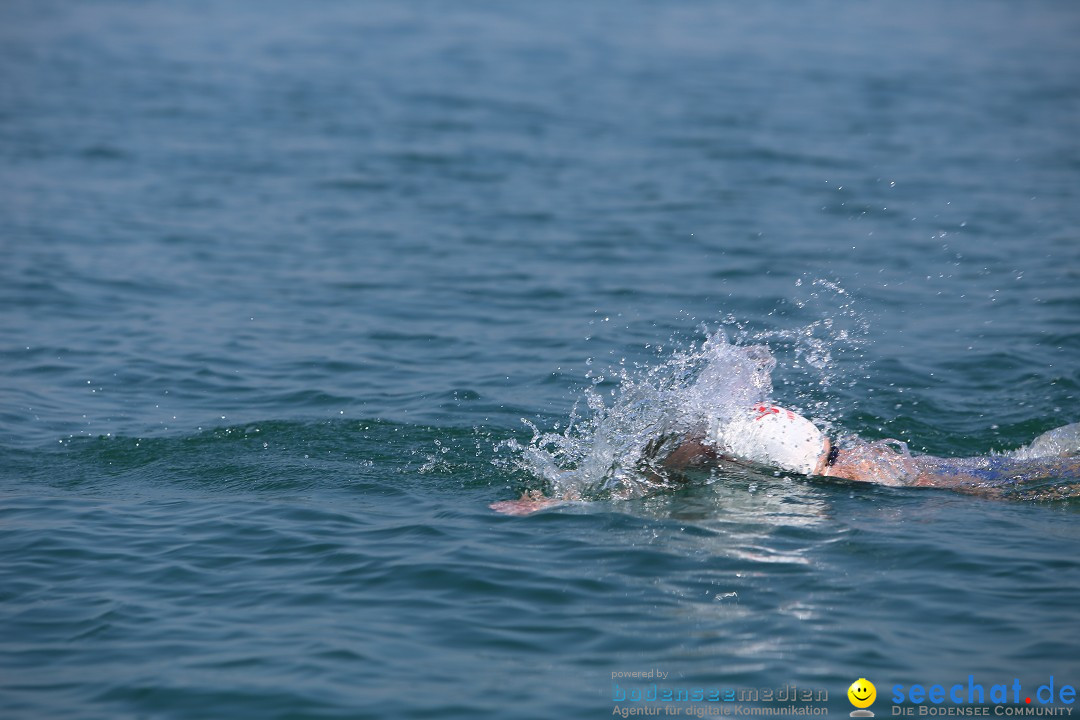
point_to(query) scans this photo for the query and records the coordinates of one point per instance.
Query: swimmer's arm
(530, 502)
(983, 472)
(691, 452)
(884, 467)
(974, 474)
(935, 472)
(867, 463)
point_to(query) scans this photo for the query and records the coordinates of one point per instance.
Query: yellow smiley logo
(862, 693)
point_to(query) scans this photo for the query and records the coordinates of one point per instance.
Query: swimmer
(771, 437)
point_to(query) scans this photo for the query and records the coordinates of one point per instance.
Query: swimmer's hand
(527, 504)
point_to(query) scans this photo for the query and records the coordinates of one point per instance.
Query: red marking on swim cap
(766, 410)
(772, 410)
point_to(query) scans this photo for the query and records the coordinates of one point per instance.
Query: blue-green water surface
(279, 283)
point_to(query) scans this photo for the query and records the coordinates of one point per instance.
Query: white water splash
(694, 391)
(1059, 442)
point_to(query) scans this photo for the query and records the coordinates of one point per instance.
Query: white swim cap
(773, 436)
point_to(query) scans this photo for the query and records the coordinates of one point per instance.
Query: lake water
(286, 288)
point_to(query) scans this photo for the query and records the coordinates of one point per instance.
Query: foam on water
(1059, 442)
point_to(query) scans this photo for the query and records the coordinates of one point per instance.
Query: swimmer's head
(773, 436)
